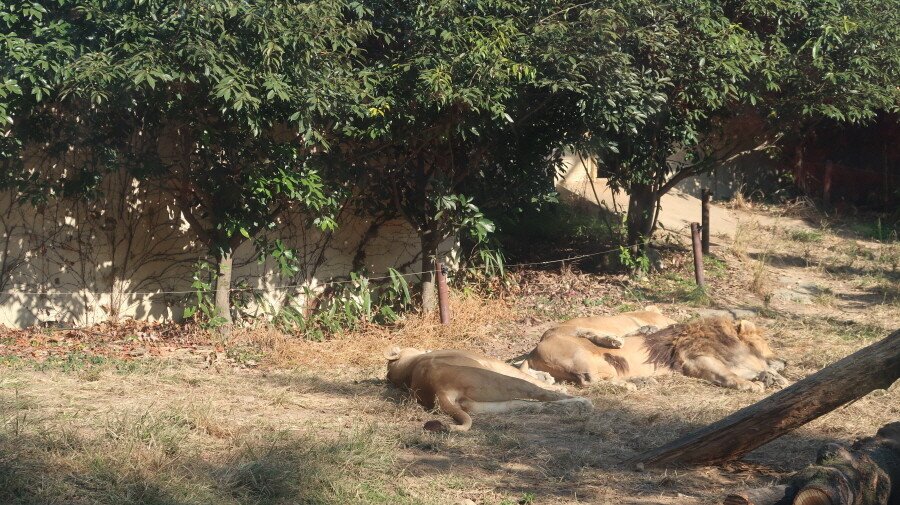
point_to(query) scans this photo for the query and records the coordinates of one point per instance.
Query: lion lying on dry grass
(732, 354)
(464, 383)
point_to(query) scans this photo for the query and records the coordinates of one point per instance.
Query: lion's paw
(541, 376)
(605, 341)
(775, 365)
(772, 379)
(756, 387)
(576, 405)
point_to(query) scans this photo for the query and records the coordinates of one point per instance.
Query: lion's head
(753, 336)
(398, 363)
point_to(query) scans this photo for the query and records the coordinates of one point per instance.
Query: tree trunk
(223, 284)
(867, 473)
(428, 285)
(874, 367)
(642, 202)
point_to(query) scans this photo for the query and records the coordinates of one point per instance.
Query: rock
(436, 426)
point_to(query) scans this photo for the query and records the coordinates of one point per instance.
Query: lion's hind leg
(516, 393)
(605, 340)
(568, 405)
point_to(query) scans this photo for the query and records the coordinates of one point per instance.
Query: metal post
(704, 220)
(443, 293)
(698, 255)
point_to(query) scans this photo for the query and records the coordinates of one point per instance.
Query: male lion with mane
(465, 383)
(732, 354)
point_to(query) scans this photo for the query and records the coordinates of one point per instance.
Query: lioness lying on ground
(466, 383)
(732, 354)
(610, 331)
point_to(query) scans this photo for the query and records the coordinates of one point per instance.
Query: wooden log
(772, 495)
(874, 367)
(866, 473)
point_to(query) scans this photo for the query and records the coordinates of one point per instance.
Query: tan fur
(463, 383)
(728, 353)
(608, 331)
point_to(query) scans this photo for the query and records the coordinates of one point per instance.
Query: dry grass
(761, 282)
(474, 323)
(315, 422)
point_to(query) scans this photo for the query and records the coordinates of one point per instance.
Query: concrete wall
(131, 254)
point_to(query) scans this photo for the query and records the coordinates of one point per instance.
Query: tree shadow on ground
(270, 467)
(802, 261)
(173, 461)
(563, 455)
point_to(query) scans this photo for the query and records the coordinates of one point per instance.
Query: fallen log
(874, 367)
(772, 495)
(866, 473)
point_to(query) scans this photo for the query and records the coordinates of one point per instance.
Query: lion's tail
(451, 408)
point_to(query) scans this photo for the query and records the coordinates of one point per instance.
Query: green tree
(446, 76)
(231, 105)
(692, 66)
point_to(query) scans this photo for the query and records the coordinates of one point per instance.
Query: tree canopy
(431, 112)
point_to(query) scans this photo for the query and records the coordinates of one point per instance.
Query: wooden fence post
(443, 293)
(704, 220)
(698, 255)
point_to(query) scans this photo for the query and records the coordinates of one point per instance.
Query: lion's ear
(744, 326)
(652, 308)
(392, 354)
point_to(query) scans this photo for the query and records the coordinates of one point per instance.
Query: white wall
(78, 264)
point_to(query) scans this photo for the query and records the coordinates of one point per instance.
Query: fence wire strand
(97, 294)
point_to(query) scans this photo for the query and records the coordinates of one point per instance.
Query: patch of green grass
(806, 235)
(846, 330)
(87, 366)
(863, 332)
(714, 267)
(72, 362)
(672, 287)
(595, 302)
(244, 354)
(526, 499)
(824, 296)
(14, 362)
(161, 457)
(880, 228)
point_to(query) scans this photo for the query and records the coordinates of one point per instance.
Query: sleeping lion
(732, 354)
(464, 383)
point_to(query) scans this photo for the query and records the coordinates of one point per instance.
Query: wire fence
(98, 294)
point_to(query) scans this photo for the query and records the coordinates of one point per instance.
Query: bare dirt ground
(155, 414)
